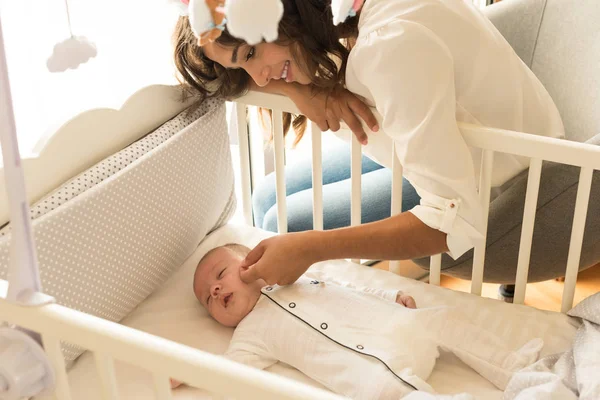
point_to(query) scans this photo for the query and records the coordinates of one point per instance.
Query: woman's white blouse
(426, 64)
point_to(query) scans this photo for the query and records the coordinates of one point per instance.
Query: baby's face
(220, 290)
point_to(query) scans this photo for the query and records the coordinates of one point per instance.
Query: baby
(362, 343)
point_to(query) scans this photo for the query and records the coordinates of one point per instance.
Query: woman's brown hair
(316, 44)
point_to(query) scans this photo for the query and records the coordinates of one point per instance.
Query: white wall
(134, 50)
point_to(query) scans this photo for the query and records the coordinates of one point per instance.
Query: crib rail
(163, 358)
(537, 148)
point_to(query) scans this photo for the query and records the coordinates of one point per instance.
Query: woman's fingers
(250, 274)
(252, 268)
(355, 126)
(333, 121)
(363, 111)
(323, 125)
(279, 260)
(254, 255)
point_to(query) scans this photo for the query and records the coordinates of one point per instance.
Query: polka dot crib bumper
(109, 237)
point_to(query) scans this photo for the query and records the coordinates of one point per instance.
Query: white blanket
(574, 374)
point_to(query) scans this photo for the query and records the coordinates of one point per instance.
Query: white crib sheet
(173, 312)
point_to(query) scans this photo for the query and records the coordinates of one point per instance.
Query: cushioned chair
(558, 40)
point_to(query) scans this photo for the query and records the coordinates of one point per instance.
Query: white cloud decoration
(253, 20)
(70, 53)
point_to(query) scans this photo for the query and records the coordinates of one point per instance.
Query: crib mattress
(173, 312)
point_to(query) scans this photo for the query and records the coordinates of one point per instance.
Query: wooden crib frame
(111, 341)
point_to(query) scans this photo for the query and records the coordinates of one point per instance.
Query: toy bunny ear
(201, 19)
(181, 6)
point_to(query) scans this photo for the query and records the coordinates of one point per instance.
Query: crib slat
(258, 152)
(279, 145)
(531, 198)
(396, 198)
(52, 348)
(355, 176)
(435, 269)
(581, 208)
(244, 150)
(317, 177)
(485, 184)
(106, 373)
(162, 387)
(356, 170)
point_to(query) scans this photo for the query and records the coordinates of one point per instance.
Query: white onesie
(362, 344)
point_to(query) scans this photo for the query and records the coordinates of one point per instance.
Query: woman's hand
(279, 260)
(328, 110)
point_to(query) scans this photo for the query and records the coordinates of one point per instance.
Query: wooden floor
(543, 295)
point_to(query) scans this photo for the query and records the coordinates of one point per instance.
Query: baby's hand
(405, 300)
(175, 383)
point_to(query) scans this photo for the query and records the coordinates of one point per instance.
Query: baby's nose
(215, 289)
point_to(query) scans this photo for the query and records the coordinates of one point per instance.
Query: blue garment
(376, 193)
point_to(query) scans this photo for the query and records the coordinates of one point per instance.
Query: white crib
(132, 354)
(109, 341)
(538, 149)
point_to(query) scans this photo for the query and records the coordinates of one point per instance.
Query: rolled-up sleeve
(410, 74)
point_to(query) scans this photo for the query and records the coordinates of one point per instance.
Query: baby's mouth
(226, 299)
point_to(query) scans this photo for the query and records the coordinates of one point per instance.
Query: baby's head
(218, 287)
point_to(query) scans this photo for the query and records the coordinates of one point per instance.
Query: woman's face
(262, 62)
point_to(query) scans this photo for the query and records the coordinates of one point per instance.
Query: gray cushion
(107, 246)
(552, 231)
(519, 22)
(558, 40)
(566, 61)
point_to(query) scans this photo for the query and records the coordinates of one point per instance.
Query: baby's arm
(389, 295)
(250, 358)
(396, 296)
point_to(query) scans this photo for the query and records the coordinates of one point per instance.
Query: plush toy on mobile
(343, 9)
(250, 20)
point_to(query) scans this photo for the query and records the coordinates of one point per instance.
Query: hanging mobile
(250, 20)
(71, 52)
(25, 370)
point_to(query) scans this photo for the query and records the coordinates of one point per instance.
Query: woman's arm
(417, 100)
(326, 110)
(400, 237)
(412, 77)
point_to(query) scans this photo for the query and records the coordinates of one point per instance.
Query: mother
(424, 64)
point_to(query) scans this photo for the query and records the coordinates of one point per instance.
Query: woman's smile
(287, 72)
